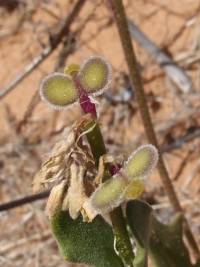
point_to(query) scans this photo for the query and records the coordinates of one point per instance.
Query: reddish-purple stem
(114, 168)
(84, 100)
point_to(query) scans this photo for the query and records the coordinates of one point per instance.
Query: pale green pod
(128, 183)
(141, 162)
(134, 189)
(109, 195)
(95, 75)
(72, 69)
(58, 90)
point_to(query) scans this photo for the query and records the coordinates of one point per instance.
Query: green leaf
(139, 216)
(88, 243)
(164, 242)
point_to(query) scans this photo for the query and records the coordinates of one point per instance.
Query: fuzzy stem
(136, 81)
(98, 149)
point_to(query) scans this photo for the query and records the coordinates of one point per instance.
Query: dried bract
(75, 196)
(55, 167)
(55, 199)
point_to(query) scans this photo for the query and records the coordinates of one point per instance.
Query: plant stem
(98, 149)
(136, 82)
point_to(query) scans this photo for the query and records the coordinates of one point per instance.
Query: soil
(173, 25)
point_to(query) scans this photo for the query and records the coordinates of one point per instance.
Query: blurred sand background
(24, 32)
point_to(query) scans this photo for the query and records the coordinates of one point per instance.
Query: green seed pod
(134, 189)
(109, 195)
(95, 75)
(141, 162)
(58, 90)
(72, 69)
(127, 183)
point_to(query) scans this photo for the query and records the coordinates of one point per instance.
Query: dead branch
(55, 40)
(173, 71)
(24, 200)
(136, 82)
(178, 143)
(31, 106)
(182, 166)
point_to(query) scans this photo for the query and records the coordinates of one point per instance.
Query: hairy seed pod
(58, 90)
(127, 183)
(141, 162)
(134, 189)
(109, 195)
(95, 75)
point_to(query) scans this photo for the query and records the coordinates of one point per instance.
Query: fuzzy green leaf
(139, 216)
(164, 242)
(88, 243)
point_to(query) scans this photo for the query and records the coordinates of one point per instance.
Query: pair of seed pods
(59, 90)
(128, 183)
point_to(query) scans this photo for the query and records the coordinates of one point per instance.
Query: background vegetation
(39, 37)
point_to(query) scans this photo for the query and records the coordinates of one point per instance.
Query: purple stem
(114, 168)
(84, 100)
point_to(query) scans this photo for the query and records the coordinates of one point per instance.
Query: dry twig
(55, 40)
(122, 25)
(25, 200)
(173, 71)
